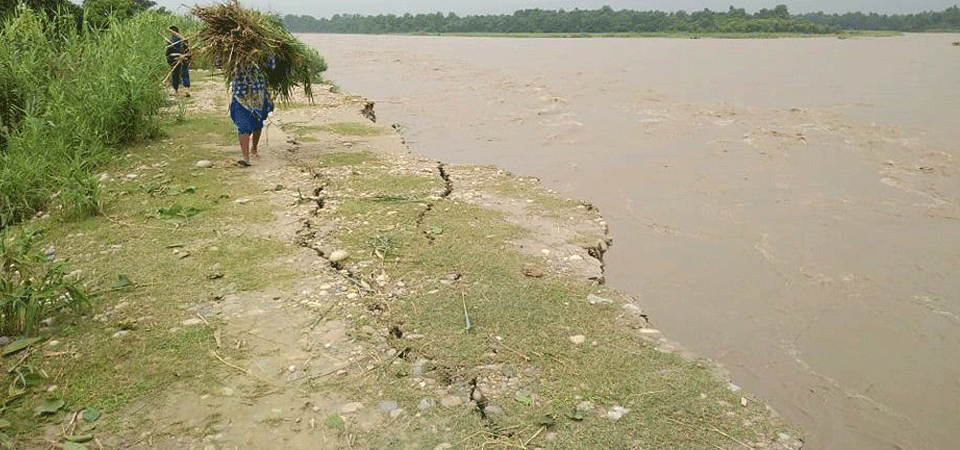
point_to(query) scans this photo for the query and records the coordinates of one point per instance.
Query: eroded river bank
(787, 207)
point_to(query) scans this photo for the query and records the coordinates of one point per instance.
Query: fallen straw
(466, 316)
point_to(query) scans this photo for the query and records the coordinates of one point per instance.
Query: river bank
(343, 291)
(786, 206)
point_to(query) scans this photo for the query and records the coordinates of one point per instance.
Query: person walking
(249, 105)
(178, 57)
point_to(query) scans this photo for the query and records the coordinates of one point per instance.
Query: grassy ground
(159, 213)
(518, 339)
(555, 369)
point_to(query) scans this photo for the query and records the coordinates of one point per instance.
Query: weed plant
(33, 285)
(69, 100)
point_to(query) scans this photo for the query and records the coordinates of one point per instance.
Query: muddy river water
(789, 207)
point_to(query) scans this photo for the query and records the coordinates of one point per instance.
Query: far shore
(672, 35)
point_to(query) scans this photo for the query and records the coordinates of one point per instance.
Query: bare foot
(243, 163)
(254, 154)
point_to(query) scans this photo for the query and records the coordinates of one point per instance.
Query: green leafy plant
(69, 99)
(33, 285)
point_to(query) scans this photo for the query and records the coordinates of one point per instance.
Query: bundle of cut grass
(236, 37)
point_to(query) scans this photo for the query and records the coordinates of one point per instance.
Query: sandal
(243, 163)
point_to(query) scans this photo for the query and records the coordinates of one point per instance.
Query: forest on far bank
(608, 20)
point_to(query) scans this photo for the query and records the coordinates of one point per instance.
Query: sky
(324, 8)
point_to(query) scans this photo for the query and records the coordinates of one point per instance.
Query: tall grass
(70, 100)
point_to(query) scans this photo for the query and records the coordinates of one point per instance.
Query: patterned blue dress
(250, 103)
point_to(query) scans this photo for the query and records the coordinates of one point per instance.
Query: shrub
(69, 101)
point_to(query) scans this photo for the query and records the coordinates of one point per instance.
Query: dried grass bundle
(237, 37)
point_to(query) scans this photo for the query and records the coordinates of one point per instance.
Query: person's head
(174, 29)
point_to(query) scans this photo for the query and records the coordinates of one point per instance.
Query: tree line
(608, 20)
(946, 20)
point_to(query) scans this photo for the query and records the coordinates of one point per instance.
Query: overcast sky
(462, 7)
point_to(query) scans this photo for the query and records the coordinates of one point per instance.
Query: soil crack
(447, 183)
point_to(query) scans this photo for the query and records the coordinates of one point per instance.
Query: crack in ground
(447, 183)
(306, 237)
(447, 191)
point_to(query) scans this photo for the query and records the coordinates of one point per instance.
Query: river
(787, 207)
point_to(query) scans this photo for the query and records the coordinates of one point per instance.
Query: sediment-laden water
(788, 207)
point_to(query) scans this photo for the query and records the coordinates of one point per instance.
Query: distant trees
(602, 20)
(946, 20)
(608, 20)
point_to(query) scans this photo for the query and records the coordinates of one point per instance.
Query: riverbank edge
(650, 335)
(394, 149)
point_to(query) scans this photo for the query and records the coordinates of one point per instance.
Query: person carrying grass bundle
(260, 59)
(249, 106)
(178, 58)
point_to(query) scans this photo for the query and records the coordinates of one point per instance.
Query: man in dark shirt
(178, 57)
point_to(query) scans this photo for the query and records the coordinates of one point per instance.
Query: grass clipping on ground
(235, 38)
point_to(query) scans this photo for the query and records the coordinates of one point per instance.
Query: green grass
(395, 219)
(133, 240)
(305, 133)
(206, 130)
(33, 284)
(70, 100)
(519, 322)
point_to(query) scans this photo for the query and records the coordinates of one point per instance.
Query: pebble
(598, 300)
(576, 258)
(191, 322)
(426, 404)
(630, 307)
(396, 413)
(451, 401)
(121, 334)
(389, 406)
(416, 369)
(493, 410)
(616, 413)
(351, 407)
(204, 164)
(104, 177)
(338, 255)
(132, 176)
(578, 339)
